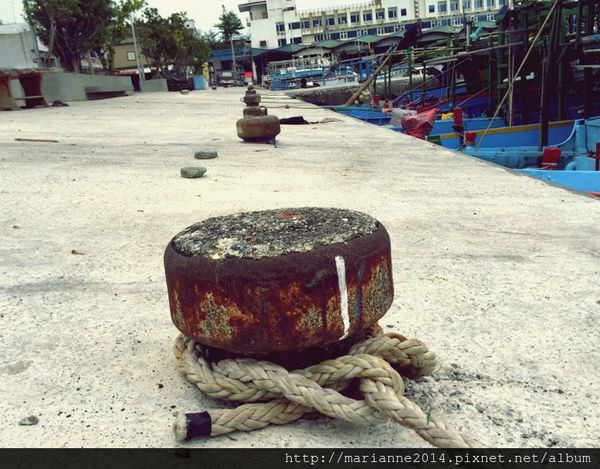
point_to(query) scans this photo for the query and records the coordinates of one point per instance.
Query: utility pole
(233, 64)
(50, 52)
(136, 50)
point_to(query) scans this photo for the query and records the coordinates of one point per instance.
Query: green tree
(154, 38)
(119, 29)
(190, 49)
(212, 40)
(196, 53)
(70, 27)
(229, 25)
(168, 42)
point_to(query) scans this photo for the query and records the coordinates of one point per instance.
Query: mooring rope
(276, 396)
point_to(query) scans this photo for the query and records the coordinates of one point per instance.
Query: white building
(276, 23)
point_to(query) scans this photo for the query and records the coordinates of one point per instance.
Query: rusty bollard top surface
(253, 235)
(279, 280)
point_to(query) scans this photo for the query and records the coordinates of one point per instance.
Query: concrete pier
(499, 274)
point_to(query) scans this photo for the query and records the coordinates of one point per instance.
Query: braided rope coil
(276, 396)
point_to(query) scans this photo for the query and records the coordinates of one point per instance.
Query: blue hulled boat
(579, 181)
(443, 132)
(517, 147)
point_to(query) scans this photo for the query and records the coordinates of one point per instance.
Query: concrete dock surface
(499, 274)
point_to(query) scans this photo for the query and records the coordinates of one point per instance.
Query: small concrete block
(193, 172)
(29, 421)
(205, 155)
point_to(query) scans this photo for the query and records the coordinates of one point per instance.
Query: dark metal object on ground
(94, 94)
(174, 84)
(36, 140)
(279, 281)
(256, 125)
(297, 120)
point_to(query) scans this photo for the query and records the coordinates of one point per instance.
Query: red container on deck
(376, 100)
(457, 114)
(470, 138)
(550, 158)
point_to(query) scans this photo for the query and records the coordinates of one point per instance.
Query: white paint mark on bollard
(340, 265)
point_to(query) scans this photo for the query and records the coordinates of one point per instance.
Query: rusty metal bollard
(256, 125)
(293, 286)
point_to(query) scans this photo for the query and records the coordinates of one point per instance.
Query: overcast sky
(205, 12)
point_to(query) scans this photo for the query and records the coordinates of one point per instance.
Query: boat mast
(550, 49)
(588, 72)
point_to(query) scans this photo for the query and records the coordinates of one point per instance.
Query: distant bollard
(256, 125)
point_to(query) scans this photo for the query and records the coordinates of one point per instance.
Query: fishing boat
(300, 73)
(422, 97)
(372, 117)
(587, 182)
(369, 114)
(444, 134)
(349, 109)
(573, 164)
(444, 128)
(526, 95)
(518, 146)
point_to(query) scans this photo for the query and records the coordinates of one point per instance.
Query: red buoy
(550, 158)
(457, 114)
(470, 138)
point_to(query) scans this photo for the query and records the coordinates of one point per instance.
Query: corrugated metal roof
(486, 24)
(398, 35)
(350, 42)
(224, 55)
(443, 30)
(370, 39)
(330, 44)
(290, 48)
